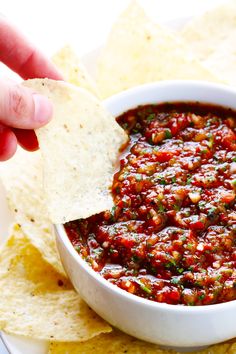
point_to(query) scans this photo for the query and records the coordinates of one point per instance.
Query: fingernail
(42, 109)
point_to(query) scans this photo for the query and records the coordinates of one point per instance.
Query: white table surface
(84, 23)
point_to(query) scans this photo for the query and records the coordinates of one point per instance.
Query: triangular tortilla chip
(203, 34)
(212, 39)
(80, 148)
(36, 302)
(140, 51)
(22, 179)
(119, 343)
(73, 69)
(112, 343)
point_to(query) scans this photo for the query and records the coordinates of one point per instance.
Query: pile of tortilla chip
(56, 184)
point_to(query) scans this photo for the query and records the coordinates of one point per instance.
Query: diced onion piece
(194, 196)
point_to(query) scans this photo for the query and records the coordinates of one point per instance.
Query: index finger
(22, 57)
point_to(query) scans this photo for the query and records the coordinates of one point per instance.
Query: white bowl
(167, 325)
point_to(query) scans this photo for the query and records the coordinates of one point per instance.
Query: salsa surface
(171, 235)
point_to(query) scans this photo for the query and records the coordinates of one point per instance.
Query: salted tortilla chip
(22, 180)
(119, 343)
(80, 147)
(140, 51)
(214, 44)
(205, 33)
(73, 69)
(36, 302)
(112, 343)
(223, 60)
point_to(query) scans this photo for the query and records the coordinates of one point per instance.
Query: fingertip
(8, 143)
(27, 139)
(42, 110)
(21, 108)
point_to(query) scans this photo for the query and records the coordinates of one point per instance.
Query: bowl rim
(61, 233)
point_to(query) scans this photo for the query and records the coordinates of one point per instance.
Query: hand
(21, 110)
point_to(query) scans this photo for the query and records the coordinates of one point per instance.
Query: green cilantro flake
(113, 211)
(162, 181)
(211, 213)
(117, 190)
(135, 258)
(190, 246)
(144, 287)
(168, 134)
(176, 207)
(151, 117)
(78, 248)
(189, 181)
(135, 130)
(125, 126)
(180, 270)
(233, 182)
(161, 208)
(171, 263)
(211, 140)
(201, 204)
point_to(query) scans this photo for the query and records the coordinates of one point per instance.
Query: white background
(84, 24)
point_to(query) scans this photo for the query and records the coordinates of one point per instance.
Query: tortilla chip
(232, 349)
(80, 147)
(212, 44)
(119, 343)
(205, 33)
(139, 51)
(36, 302)
(73, 70)
(223, 60)
(22, 179)
(215, 349)
(112, 343)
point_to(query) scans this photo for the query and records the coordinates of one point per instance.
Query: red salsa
(171, 235)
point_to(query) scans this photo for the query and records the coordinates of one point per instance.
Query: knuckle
(17, 103)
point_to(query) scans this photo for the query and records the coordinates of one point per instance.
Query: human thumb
(21, 108)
